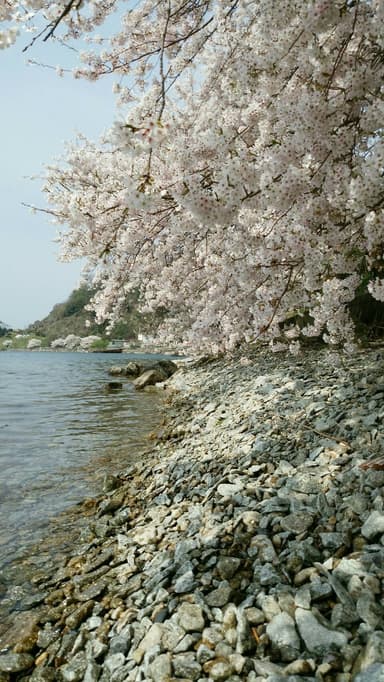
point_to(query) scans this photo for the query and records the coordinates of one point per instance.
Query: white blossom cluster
(7, 38)
(244, 188)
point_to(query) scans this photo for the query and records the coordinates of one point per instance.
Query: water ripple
(60, 431)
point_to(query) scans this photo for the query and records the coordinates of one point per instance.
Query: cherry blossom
(241, 188)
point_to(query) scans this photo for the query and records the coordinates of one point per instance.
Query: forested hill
(70, 318)
(4, 328)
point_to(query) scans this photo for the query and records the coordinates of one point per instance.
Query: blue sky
(39, 112)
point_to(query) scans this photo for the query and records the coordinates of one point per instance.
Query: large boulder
(149, 378)
(155, 373)
(167, 366)
(164, 368)
(133, 369)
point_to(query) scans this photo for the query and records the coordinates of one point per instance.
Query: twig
(375, 464)
(326, 435)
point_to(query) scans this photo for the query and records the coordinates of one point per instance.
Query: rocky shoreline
(247, 545)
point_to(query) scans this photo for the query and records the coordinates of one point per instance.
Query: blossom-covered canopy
(242, 188)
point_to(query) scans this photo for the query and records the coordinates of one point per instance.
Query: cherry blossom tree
(242, 187)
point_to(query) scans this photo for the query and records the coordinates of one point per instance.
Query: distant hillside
(70, 318)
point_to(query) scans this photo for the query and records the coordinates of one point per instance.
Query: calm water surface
(60, 432)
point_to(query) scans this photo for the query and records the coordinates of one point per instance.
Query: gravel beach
(247, 545)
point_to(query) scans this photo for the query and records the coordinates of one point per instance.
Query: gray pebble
(283, 636)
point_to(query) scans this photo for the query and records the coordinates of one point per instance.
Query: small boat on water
(113, 347)
(110, 350)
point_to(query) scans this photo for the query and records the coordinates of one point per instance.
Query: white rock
(374, 525)
(318, 639)
(190, 617)
(146, 535)
(219, 670)
(172, 635)
(151, 639)
(350, 567)
(114, 661)
(283, 636)
(160, 669)
(229, 489)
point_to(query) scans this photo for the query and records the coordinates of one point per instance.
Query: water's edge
(92, 433)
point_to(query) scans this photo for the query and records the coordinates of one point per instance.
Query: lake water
(60, 433)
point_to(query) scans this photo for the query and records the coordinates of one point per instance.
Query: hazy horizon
(40, 112)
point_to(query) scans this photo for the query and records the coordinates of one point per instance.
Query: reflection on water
(60, 432)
